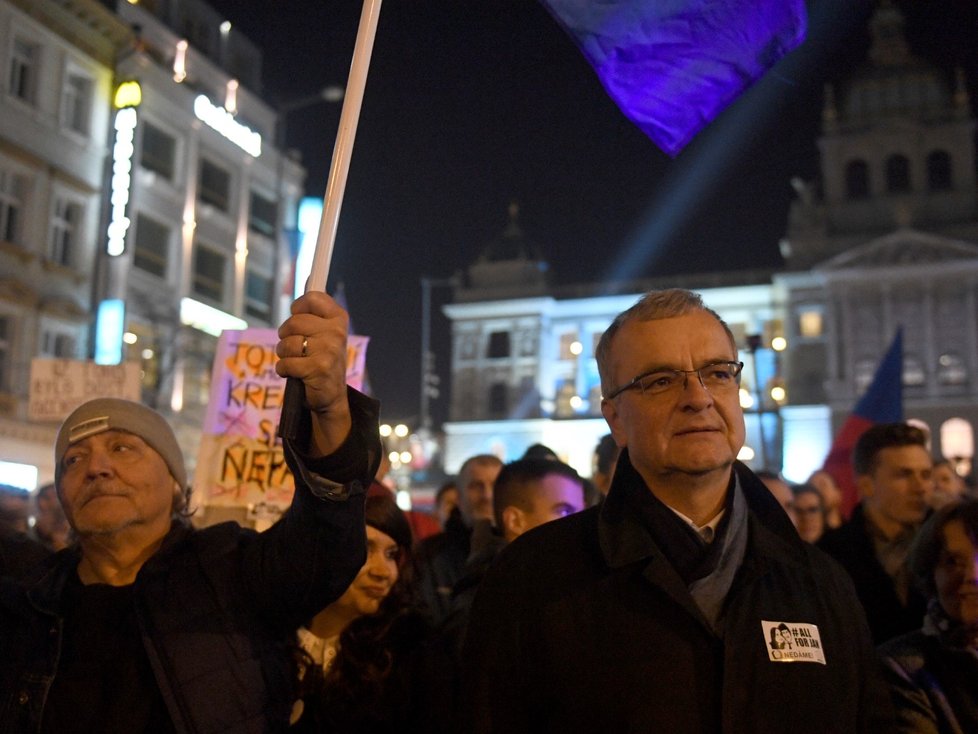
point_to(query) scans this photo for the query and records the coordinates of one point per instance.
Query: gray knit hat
(107, 414)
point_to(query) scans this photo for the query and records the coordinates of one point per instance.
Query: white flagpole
(343, 147)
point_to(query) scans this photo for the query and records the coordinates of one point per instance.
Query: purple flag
(674, 65)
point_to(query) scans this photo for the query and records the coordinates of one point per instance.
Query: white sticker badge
(792, 642)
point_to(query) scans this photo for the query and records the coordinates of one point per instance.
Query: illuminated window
(913, 371)
(810, 323)
(22, 81)
(210, 267)
(865, 369)
(569, 345)
(65, 226)
(152, 250)
(11, 203)
(214, 186)
(145, 349)
(159, 151)
(76, 96)
(262, 215)
(952, 370)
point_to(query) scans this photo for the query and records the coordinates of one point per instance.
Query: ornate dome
(893, 83)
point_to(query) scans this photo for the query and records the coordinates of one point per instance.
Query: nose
(695, 394)
(378, 566)
(97, 463)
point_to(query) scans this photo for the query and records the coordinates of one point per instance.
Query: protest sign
(58, 386)
(241, 461)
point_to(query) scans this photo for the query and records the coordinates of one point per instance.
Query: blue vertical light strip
(108, 331)
(310, 212)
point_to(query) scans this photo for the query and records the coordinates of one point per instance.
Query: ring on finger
(305, 347)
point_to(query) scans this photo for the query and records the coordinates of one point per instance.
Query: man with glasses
(654, 612)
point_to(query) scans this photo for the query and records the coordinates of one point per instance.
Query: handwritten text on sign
(241, 460)
(58, 386)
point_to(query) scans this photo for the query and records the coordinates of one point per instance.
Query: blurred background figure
(933, 672)
(539, 451)
(781, 491)
(440, 560)
(355, 656)
(809, 512)
(18, 552)
(948, 486)
(51, 527)
(831, 497)
(14, 509)
(605, 459)
(892, 466)
(446, 502)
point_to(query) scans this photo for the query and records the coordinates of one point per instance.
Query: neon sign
(122, 151)
(221, 120)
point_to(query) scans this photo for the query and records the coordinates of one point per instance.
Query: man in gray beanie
(147, 624)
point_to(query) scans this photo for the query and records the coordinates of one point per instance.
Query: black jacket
(852, 547)
(217, 607)
(582, 626)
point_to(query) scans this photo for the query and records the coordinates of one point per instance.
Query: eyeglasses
(716, 377)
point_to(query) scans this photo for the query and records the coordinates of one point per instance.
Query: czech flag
(673, 65)
(881, 403)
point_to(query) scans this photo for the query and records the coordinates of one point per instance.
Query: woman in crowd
(809, 512)
(356, 655)
(948, 486)
(933, 673)
(831, 497)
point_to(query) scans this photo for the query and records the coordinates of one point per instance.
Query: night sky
(471, 104)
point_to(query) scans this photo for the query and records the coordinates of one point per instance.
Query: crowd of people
(672, 590)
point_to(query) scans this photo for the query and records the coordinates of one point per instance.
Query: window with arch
(897, 174)
(938, 171)
(857, 179)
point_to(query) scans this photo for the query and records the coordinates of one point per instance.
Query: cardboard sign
(241, 461)
(58, 386)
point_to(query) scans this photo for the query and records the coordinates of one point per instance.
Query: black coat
(582, 626)
(852, 547)
(934, 685)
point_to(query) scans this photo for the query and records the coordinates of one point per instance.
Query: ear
(610, 412)
(514, 522)
(864, 483)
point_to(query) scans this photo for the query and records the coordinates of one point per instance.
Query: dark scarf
(707, 569)
(950, 632)
(691, 556)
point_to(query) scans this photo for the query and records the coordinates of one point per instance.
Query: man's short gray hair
(654, 305)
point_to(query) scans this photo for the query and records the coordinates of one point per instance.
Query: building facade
(144, 204)
(885, 239)
(58, 59)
